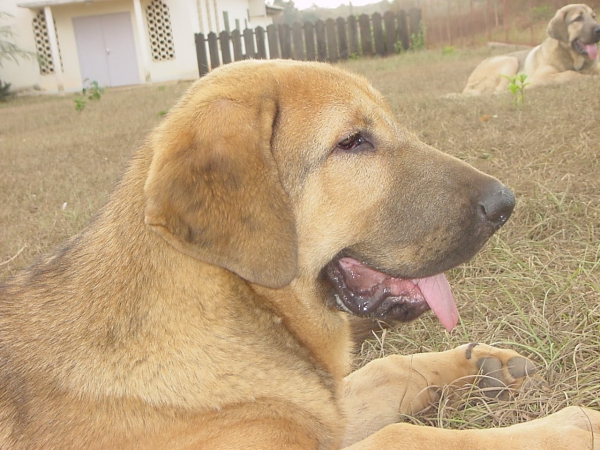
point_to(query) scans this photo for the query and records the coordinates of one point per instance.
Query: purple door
(106, 49)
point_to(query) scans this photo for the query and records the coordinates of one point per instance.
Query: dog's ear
(557, 27)
(214, 193)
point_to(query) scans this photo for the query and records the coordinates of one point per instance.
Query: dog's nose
(496, 205)
(597, 31)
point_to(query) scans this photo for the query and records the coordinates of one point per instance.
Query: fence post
(460, 23)
(403, 31)
(342, 37)
(414, 20)
(273, 41)
(225, 50)
(448, 28)
(213, 50)
(353, 35)
(309, 39)
(261, 48)
(366, 42)
(332, 43)
(488, 31)
(298, 42)
(285, 39)
(505, 20)
(236, 40)
(389, 19)
(378, 34)
(321, 41)
(201, 55)
(472, 20)
(249, 43)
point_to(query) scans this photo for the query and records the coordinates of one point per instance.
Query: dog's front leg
(572, 428)
(380, 392)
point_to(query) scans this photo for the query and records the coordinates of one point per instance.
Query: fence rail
(330, 40)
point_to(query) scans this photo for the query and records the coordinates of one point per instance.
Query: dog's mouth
(589, 50)
(364, 291)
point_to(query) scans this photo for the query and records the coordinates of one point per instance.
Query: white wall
(25, 74)
(183, 24)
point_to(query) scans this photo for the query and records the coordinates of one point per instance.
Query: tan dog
(206, 306)
(567, 54)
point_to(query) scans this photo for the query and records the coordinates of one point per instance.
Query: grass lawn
(535, 287)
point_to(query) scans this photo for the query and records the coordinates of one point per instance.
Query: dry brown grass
(51, 154)
(534, 288)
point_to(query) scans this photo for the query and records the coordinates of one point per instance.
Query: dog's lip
(589, 50)
(364, 291)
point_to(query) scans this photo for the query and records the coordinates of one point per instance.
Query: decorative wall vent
(42, 43)
(159, 29)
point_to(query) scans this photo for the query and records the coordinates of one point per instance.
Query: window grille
(159, 29)
(42, 43)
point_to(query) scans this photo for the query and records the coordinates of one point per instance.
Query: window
(159, 29)
(42, 44)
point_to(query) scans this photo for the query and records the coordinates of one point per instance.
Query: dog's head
(278, 171)
(576, 26)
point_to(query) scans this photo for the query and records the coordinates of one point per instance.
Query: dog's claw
(491, 380)
(520, 367)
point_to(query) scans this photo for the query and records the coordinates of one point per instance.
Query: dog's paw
(500, 371)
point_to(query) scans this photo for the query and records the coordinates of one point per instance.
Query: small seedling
(79, 103)
(448, 50)
(516, 86)
(398, 47)
(92, 92)
(417, 41)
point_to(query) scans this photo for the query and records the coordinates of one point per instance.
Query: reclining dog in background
(206, 306)
(569, 53)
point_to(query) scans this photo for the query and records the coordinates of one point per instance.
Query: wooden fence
(332, 40)
(475, 22)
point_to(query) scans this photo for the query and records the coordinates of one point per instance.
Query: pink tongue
(592, 51)
(436, 292)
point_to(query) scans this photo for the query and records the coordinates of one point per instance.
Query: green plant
(79, 103)
(92, 91)
(448, 50)
(353, 56)
(8, 50)
(4, 91)
(398, 47)
(417, 41)
(516, 86)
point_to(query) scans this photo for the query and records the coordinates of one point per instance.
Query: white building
(116, 42)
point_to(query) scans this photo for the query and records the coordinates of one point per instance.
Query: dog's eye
(354, 142)
(578, 18)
